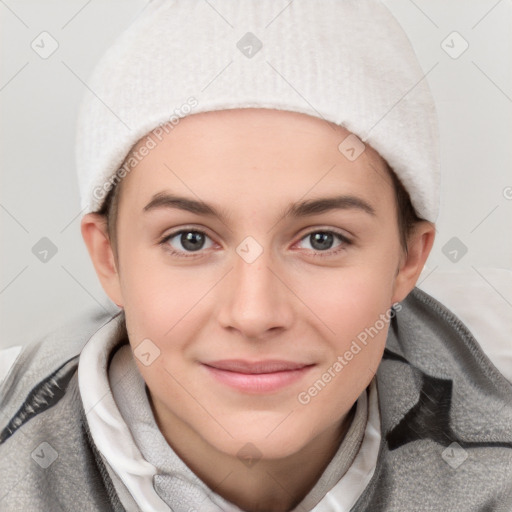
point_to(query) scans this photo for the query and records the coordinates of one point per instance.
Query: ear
(419, 245)
(96, 238)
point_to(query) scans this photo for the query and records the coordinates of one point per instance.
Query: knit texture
(345, 61)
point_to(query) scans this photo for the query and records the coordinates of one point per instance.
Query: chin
(263, 442)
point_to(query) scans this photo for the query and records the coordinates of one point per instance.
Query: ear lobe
(95, 234)
(419, 247)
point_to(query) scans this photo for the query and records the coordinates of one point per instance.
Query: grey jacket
(446, 420)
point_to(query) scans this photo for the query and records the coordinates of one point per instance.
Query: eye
(185, 241)
(321, 242)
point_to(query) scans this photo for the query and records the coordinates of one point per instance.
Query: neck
(270, 485)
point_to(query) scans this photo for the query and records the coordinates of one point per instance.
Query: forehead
(243, 153)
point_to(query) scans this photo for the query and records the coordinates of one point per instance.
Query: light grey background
(38, 106)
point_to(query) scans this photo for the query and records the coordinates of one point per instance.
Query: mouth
(257, 376)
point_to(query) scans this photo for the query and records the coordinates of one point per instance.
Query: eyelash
(320, 254)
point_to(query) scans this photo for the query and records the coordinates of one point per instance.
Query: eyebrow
(295, 210)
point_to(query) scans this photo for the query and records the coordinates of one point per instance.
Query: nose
(256, 301)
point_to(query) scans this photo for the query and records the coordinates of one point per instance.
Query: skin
(288, 304)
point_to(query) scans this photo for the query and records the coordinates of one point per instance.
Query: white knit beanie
(345, 61)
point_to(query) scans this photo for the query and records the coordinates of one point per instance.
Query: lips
(257, 377)
(256, 367)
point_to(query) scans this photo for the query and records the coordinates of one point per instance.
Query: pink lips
(258, 376)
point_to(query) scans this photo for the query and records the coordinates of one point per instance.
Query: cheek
(353, 305)
(160, 297)
(349, 299)
(162, 306)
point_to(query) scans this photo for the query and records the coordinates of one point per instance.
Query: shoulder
(45, 365)
(47, 454)
(51, 459)
(482, 300)
(446, 415)
(428, 338)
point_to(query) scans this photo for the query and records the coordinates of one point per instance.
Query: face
(257, 305)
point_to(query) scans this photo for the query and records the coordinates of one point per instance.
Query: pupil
(321, 241)
(192, 240)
